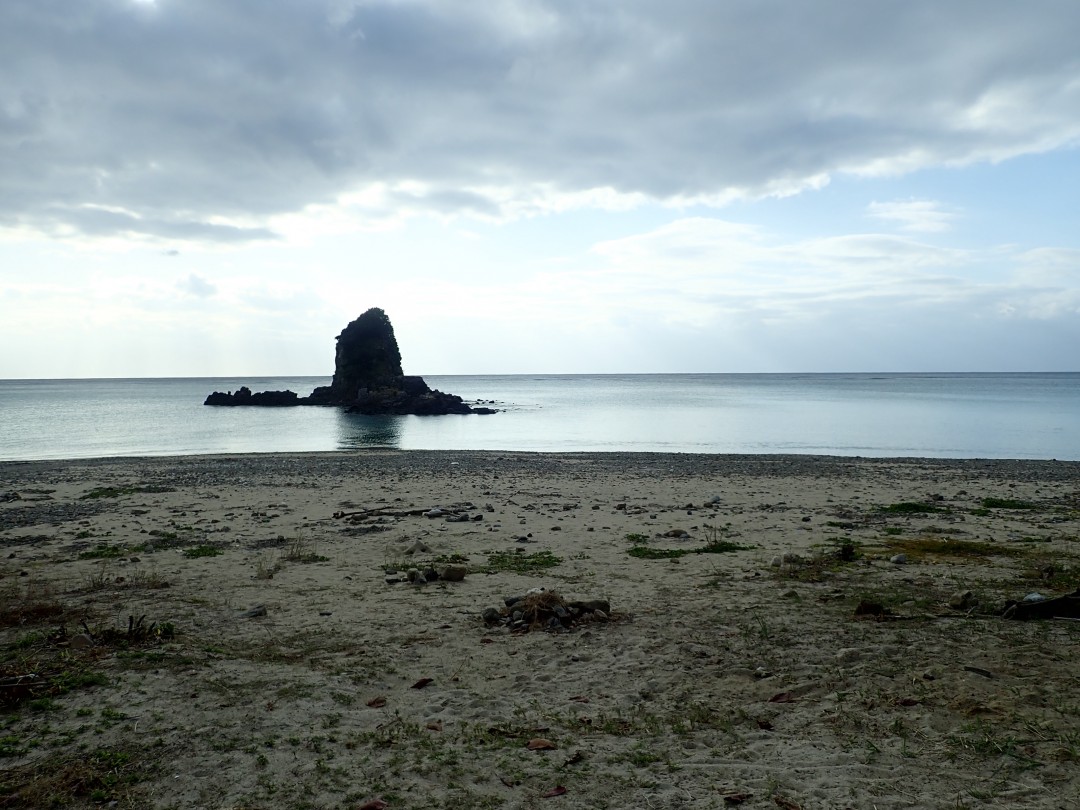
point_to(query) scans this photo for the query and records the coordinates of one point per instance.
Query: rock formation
(243, 396)
(367, 379)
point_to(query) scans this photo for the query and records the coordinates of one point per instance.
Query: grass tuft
(1006, 503)
(519, 562)
(116, 492)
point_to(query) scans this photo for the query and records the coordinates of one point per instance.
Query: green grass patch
(202, 551)
(716, 547)
(11, 746)
(926, 547)
(637, 539)
(519, 562)
(116, 492)
(108, 551)
(1006, 503)
(100, 776)
(911, 508)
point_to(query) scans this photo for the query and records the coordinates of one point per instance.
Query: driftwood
(377, 511)
(459, 513)
(1061, 607)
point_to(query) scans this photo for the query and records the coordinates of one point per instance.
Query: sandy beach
(779, 631)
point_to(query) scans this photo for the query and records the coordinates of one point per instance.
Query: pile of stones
(426, 574)
(539, 609)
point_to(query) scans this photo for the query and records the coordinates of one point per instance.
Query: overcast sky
(217, 187)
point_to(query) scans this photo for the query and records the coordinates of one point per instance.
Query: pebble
(898, 559)
(962, 600)
(491, 615)
(81, 642)
(453, 573)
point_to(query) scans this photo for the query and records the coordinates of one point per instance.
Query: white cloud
(921, 216)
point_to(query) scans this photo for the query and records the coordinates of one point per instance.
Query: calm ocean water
(928, 415)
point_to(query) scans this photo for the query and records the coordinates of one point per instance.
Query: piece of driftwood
(378, 511)
(1060, 607)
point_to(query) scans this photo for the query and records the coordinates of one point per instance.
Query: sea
(936, 415)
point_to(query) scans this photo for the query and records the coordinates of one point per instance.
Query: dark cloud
(185, 113)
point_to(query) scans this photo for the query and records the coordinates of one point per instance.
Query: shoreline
(732, 662)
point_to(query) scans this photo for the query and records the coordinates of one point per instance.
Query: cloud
(922, 216)
(199, 120)
(197, 287)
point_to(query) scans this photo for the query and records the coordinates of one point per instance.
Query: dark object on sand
(367, 379)
(1061, 607)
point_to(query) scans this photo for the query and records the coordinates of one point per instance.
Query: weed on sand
(102, 776)
(518, 561)
(919, 548)
(116, 492)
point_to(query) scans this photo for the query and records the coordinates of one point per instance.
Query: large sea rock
(367, 379)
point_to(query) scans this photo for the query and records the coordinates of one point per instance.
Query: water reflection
(356, 431)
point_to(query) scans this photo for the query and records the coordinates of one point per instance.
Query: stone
(264, 399)
(368, 379)
(962, 600)
(591, 605)
(491, 615)
(453, 573)
(81, 642)
(898, 559)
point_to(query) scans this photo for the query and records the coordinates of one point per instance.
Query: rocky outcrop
(243, 396)
(368, 379)
(367, 359)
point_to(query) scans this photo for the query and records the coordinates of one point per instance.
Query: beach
(251, 631)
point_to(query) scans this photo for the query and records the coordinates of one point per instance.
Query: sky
(217, 187)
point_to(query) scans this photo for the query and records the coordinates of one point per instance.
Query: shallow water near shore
(881, 415)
